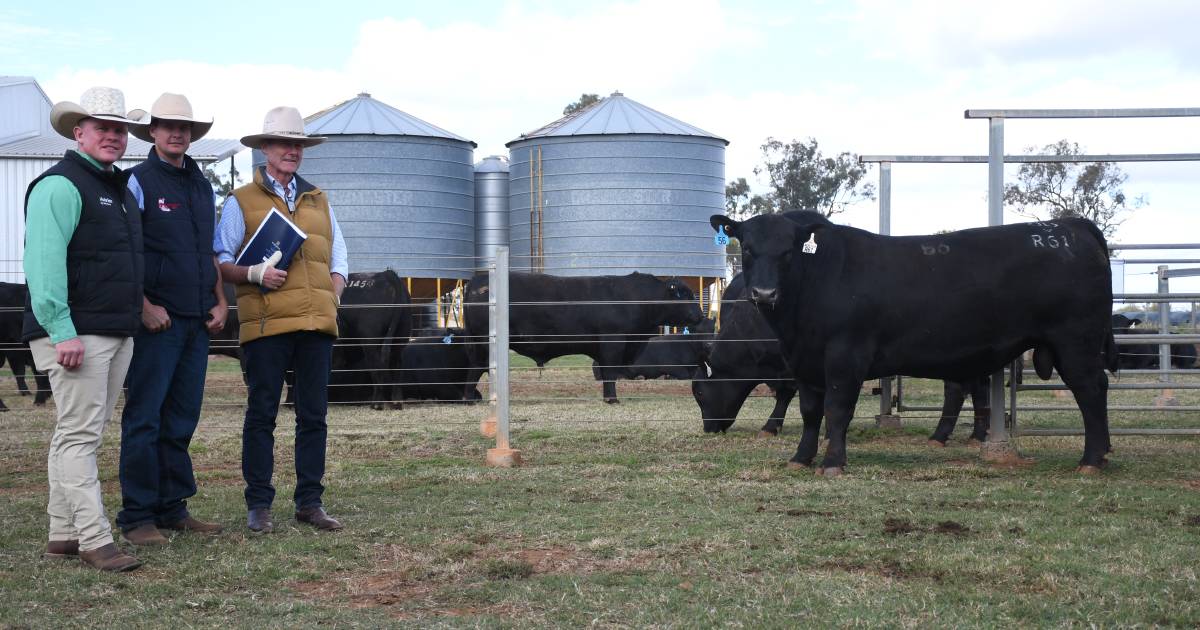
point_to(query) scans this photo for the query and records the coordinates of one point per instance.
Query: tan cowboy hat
(104, 103)
(282, 123)
(168, 107)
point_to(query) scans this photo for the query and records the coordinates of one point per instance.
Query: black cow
(12, 349)
(744, 355)
(849, 305)
(1144, 356)
(608, 318)
(671, 356)
(374, 324)
(225, 342)
(436, 368)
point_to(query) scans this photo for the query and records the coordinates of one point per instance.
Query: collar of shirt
(287, 193)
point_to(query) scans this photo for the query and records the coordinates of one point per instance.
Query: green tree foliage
(223, 181)
(801, 178)
(1053, 190)
(585, 101)
(741, 204)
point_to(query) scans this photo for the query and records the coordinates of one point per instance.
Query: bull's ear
(732, 228)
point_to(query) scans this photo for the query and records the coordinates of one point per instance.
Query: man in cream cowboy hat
(83, 264)
(183, 303)
(288, 318)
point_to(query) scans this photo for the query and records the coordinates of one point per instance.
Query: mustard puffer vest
(306, 300)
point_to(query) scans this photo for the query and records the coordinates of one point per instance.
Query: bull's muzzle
(763, 295)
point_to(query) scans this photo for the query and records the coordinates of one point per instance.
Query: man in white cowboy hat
(83, 264)
(183, 303)
(288, 319)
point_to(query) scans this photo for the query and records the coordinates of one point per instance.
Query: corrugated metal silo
(615, 188)
(491, 208)
(402, 190)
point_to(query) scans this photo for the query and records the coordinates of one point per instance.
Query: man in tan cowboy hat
(183, 303)
(288, 321)
(83, 264)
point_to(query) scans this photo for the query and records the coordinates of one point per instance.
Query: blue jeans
(162, 408)
(307, 354)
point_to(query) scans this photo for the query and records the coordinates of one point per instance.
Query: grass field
(629, 516)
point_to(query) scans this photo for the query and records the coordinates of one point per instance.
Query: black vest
(177, 225)
(104, 255)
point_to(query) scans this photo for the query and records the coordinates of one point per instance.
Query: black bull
(848, 305)
(746, 354)
(12, 349)
(374, 324)
(608, 318)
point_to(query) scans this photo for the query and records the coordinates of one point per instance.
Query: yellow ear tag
(810, 247)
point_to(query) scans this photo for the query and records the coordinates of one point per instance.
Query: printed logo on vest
(105, 201)
(166, 206)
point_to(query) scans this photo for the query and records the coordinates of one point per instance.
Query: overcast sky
(861, 76)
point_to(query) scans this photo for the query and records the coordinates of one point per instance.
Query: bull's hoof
(832, 471)
(798, 466)
(974, 443)
(377, 406)
(767, 434)
(937, 444)
(611, 401)
(1088, 470)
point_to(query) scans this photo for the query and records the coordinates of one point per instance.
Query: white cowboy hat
(168, 107)
(104, 103)
(282, 123)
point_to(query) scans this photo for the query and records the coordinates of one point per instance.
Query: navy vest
(177, 225)
(104, 255)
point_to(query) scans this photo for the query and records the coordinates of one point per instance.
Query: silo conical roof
(363, 115)
(616, 114)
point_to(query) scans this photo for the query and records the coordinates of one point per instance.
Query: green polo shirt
(50, 221)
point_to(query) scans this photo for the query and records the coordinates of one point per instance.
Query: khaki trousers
(85, 398)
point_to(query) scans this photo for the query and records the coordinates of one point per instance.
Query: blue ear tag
(686, 331)
(448, 339)
(721, 238)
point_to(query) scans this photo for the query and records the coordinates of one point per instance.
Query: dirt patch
(414, 584)
(807, 513)
(886, 568)
(899, 526)
(1194, 521)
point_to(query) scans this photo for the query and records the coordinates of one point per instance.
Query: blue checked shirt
(232, 229)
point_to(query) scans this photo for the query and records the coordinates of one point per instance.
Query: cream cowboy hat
(282, 123)
(104, 103)
(168, 107)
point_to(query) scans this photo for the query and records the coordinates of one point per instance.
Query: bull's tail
(1112, 356)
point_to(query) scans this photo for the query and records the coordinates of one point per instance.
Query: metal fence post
(998, 447)
(886, 418)
(1167, 397)
(498, 305)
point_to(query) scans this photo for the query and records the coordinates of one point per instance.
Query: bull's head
(769, 244)
(687, 312)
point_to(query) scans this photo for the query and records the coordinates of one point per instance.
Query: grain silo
(402, 190)
(491, 208)
(614, 188)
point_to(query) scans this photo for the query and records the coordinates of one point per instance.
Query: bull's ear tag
(448, 339)
(686, 331)
(721, 237)
(707, 369)
(810, 246)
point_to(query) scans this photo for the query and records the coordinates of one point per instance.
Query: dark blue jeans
(307, 354)
(162, 408)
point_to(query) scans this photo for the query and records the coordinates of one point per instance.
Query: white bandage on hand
(256, 272)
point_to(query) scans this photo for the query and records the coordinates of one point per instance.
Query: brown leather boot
(189, 524)
(145, 535)
(62, 550)
(317, 517)
(109, 558)
(259, 521)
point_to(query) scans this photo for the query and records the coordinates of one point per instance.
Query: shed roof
(42, 147)
(616, 114)
(363, 115)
